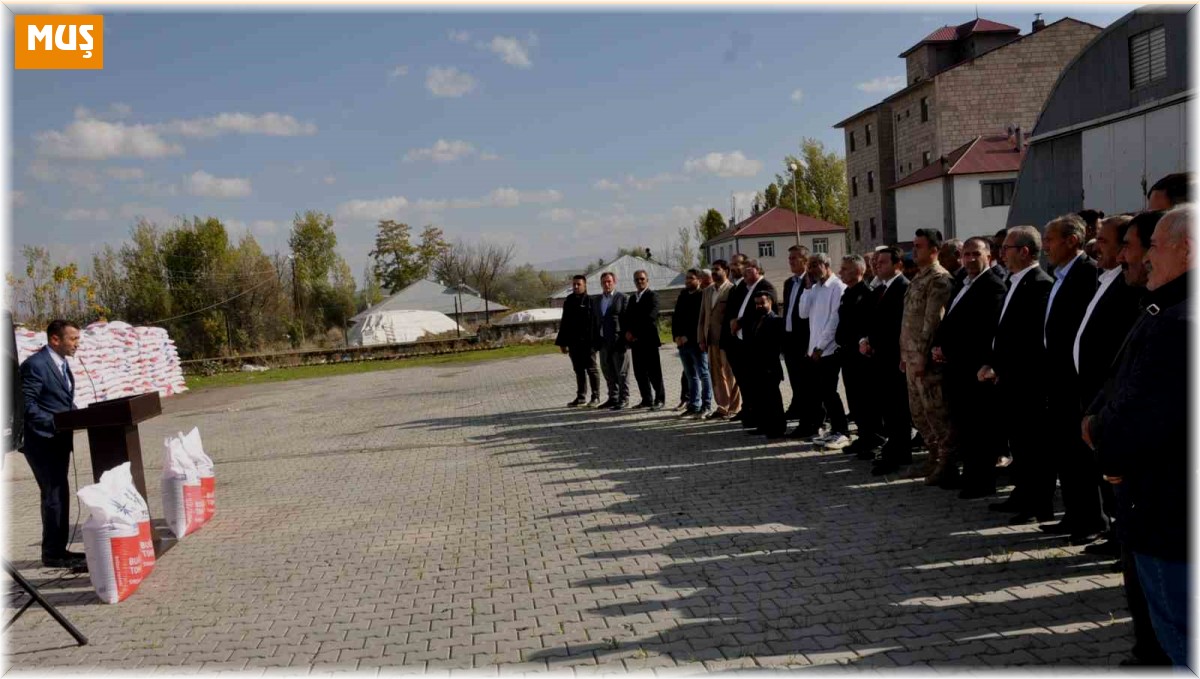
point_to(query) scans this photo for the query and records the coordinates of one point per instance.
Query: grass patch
(306, 372)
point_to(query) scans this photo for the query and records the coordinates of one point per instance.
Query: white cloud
(99, 140)
(606, 185)
(889, 83)
(797, 95)
(508, 197)
(744, 201)
(19, 199)
(459, 36)
(330, 180)
(86, 215)
(449, 82)
(558, 215)
(511, 51)
(201, 183)
(270, 124)
(489, 156)
(373, 210)
(427, 205)
(634, 183)
(399, 72)
(151, 213)
(734, 164)
(442, 151)
(125, 174)
(86, 178)
(156, 189)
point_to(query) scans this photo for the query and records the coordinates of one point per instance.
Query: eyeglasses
(1010, 247)
(639, 279)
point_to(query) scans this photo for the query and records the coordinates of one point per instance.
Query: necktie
(1008, 283)
(67, 375)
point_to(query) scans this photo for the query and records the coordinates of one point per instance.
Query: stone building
(979, 78)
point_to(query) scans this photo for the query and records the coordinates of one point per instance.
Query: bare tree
(453, 266)
(489, 262)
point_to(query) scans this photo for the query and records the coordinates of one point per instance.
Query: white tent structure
(398, 326)
(531, 316)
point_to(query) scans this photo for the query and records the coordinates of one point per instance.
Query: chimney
(1020, 138)
(1038, 24)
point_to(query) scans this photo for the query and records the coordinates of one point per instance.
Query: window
(821, 245)
(897, 117)
(857, 231)
(766, 248)
(910, 167)
(854, 187)
(925, 159)
(924, 109)
(907, 114)
(1147, 57)
(851, 140)
(872, 227)
(870, 182)
(997, 193)
(868, 134)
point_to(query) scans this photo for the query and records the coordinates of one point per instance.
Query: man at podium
(49, 388)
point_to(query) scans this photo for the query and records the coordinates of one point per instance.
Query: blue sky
(567, 134)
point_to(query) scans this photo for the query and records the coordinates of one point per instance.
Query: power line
(210, 306)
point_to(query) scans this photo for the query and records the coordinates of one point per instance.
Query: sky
(568, 134)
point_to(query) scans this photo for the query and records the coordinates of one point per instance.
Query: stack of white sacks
(116, 359)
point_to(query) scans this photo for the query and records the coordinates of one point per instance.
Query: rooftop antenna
(977, 12)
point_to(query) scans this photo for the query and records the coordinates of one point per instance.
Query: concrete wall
(879, 159)
(970, 217)
(913, 137)
(918, 206)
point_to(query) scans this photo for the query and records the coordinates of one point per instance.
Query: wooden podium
(113, 440)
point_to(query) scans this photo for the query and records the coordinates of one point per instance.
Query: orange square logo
(59, 41)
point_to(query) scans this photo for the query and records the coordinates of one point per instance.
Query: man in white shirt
(819, 304)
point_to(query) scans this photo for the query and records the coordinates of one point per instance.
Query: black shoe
(657, 405)
(1026, 517)
(1006, 506)
(593, 403)
(737, 418)
(1107, 548)
(682, 405)
(1078, 539)
(975, 493)
(917, 443)
(643, 404)
(1056, 528)
(72, 560)
(619, 405)
(576, 403)
(609, 403)
(690, 412)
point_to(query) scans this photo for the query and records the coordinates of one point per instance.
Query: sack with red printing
(116, 537)
(204, 467)
(183, 504)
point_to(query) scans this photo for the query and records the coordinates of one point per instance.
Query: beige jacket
(712, 316)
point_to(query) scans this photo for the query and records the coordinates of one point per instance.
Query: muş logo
(59, 41)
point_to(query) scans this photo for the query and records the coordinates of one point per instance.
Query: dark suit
(609, 338)
(892, 418)
(854, 317)
(765, 345)
(641, 320)
(738, 349)
(1069, 455)
(575, 332)
(795, 346)
(47, 391)
(965, 338)
(1018, 357)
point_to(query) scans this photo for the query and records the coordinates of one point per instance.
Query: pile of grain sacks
(116, 359)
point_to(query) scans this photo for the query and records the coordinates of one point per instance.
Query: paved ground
(460, 518)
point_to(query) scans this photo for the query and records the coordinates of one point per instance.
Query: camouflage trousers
(929, 412)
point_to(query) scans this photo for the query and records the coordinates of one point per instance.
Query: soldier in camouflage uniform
(924, 306)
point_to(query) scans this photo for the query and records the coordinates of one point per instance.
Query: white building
(767, 236)
(963, 194)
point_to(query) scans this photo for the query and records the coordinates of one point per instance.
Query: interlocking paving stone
(459, 519)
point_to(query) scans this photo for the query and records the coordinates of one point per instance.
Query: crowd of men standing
(1019, 356)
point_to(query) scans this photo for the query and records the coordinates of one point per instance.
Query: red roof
(774, 222)
(963, 31)
(981, 155)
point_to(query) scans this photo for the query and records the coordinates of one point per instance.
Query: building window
(854, 187)
(924, 109)
(910, 167)
(907, 114)
(925, 159)
(897, 116)
(1147, 57)
(851, 140)
(868, 134)
(996, 194)
(821, 245)
(857, 231)
(872, 228)
(766, 248)
(870, 182)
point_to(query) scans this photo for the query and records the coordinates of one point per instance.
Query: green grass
(305, 372)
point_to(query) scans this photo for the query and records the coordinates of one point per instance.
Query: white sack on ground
(116, 537)
(204, 468)
(183, 503)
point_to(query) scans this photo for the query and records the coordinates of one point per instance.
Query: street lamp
(795, 202)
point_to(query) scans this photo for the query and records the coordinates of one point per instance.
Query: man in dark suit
(765, 346)
(743, 321)
(49, 387)
(882, 346)
(854, 314)
(950, 257)
(1016, 365)
(575, 337)
(795, 340)
(961, 344)
(1074, 286)
(609, 338)
(641, 332)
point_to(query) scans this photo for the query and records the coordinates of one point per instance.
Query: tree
(196, 258)
(636, 251)
(526, 287)
(453, 264)
(50, 291)
(710, 225)
(489, 262)
(312, 241)
(820, 184)
(684, 255)
(372, 292)
(771, 196)
(398, 262)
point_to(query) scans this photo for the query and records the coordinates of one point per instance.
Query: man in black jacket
(765, 345)
(607, 309)
(795, 342)
(882, 346)
(1074, 287)
(854, 314)
(575, 337)
(742, 319)
(1016, 365)
(685, 324)
(641, 331)
(961, 344)
(1139, 428)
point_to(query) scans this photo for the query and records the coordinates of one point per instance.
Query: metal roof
(661, 277)
(426, 295)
